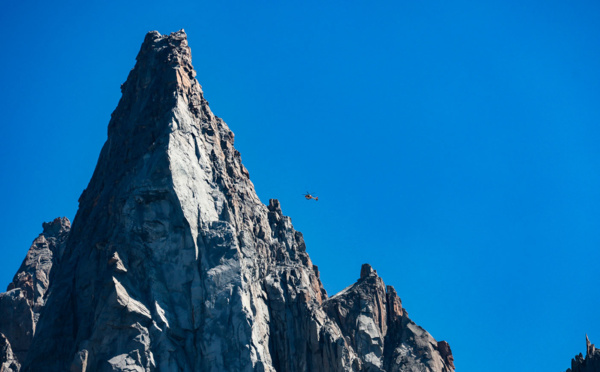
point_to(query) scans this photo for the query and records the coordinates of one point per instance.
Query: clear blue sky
(453, 145)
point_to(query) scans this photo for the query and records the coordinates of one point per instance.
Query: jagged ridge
(591, 362)
(22, 304)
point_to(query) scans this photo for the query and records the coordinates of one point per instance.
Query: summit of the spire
(160, 55)
(162, 74)
(178, 35)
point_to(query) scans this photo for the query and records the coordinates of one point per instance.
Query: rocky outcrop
(446, 353)
(8, 361)
(174, 264)
(22, 304)
(591, 362)
(378, 329)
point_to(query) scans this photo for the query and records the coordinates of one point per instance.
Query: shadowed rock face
(591, 362)
(174, 264)
(21, 305)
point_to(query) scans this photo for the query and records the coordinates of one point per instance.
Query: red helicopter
(308, 196)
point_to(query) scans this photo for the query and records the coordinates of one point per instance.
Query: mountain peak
(172, 51)
(367, 270)
(174, 264)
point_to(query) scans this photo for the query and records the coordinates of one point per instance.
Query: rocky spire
(589, 347)
(591, 362)
(174, 264)
(378, 329)
(21, 305)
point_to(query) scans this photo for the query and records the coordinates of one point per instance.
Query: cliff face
(21, 305)
(591, 362)
(174, 264)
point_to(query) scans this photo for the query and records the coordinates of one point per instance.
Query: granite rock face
(591, 362)
(8, 361)
(21, 305)
(379, 330)
(174, 264)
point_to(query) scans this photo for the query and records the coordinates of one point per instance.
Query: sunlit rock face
(174, 264)
(8, 360)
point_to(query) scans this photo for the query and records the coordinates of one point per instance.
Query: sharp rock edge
(174, 264)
